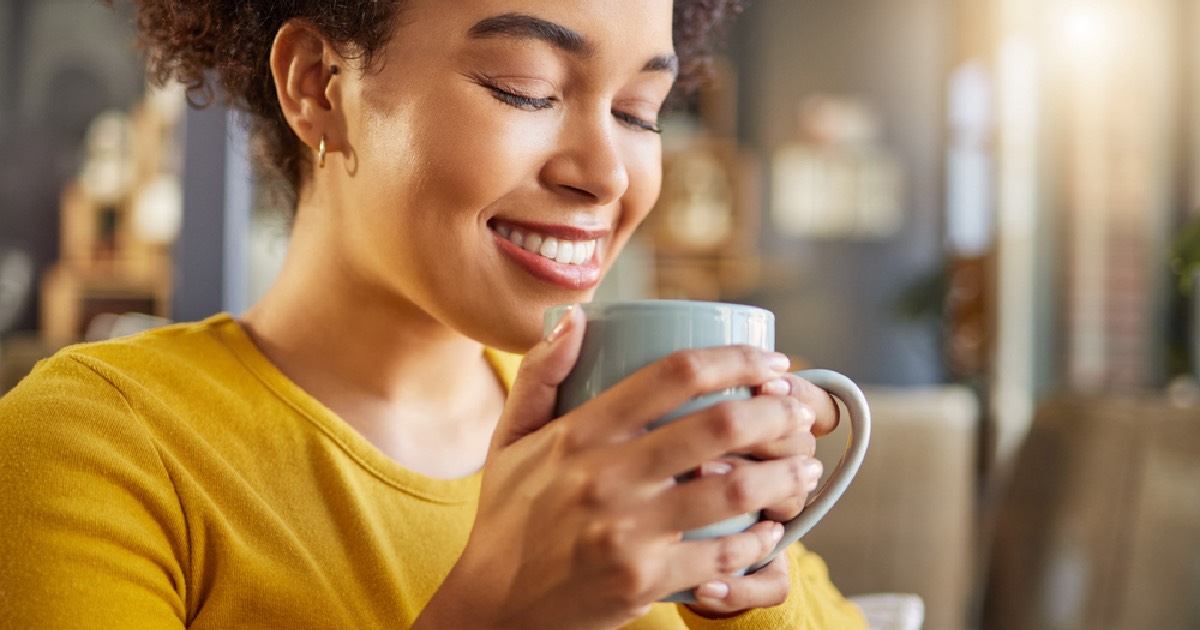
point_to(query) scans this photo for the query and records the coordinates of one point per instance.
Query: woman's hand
(769, 585)
(820, 414)
(580, 519)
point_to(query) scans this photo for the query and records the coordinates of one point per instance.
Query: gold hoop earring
(321, 153)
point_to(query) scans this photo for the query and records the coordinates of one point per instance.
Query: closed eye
(519, 101)
(531, 103)
(637, 123)
(512, 98)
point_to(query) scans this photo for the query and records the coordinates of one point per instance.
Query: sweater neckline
(339, 432)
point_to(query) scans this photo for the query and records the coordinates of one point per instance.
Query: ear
(302, 65)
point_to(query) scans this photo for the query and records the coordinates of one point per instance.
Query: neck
(381, 350)
(393, 372)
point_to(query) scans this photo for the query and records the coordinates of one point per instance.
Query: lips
(560, 250)
(562, 255)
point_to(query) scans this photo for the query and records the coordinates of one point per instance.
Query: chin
(517, 338)
(514, 323)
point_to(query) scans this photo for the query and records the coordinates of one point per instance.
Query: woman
(358, 450)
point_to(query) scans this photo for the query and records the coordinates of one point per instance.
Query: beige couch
(906, 523)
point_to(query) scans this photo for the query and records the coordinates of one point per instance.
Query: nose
(587, 161)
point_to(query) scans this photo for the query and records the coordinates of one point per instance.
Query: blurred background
(985, 211)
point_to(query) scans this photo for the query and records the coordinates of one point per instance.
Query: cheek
(645, 181)
(473, 154)
(444, 151)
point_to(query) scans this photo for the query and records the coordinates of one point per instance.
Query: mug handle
(860, 435)
(819, 503)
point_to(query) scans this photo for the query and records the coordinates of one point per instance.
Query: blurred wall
(7, 36)
(835, 298)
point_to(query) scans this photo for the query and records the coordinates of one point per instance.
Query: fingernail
(564, 324)
(715, 468)
(813, 469)
(712, 591)
(776, 534)
(779, 362)
(777, 387)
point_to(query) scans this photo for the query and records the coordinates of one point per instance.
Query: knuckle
(724, 423)
(633, 580)
(685, 368)
(571, 437)
(754, 358)
(731, 556)
(794, 413)
(608, 538)
(741, 491)
(797, 473)
(589, 488)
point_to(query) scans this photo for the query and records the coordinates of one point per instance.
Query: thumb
(531, 400)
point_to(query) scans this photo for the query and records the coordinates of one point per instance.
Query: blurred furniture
(703, 232)
(891, 611)
(119, 218)
(16, 283)
(1100, 527)
(906, 523)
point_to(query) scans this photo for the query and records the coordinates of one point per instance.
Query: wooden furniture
(117, 224)
(703, 231)
(1100, 527)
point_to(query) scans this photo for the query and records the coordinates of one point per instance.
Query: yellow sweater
(177, 479)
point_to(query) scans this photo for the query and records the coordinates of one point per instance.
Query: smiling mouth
(560, 250)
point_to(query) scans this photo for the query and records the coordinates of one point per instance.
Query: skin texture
(396, 280)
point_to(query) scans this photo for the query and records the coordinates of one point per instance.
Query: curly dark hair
(227, 44)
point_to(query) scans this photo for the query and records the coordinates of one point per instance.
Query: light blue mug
(623, 337)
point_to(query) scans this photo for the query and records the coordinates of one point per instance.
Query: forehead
(610, 27)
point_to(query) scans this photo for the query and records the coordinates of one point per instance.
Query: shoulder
(168, 355)
(99, 386)
(153, 350)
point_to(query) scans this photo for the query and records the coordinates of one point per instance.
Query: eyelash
(535, 104)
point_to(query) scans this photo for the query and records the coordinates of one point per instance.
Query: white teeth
(561, 251)
(533, 243)
(566, 252)
(581, 256)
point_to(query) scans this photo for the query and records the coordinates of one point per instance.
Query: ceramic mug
(623, 337)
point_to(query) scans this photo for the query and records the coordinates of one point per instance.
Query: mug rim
(657, 304)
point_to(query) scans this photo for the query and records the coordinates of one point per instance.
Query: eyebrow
(522, 26)
(663, 63)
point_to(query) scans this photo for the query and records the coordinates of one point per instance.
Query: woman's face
(499, 155)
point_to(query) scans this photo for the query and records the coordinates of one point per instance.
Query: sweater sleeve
(814, 603)
(93, 530)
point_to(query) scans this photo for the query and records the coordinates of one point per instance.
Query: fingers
(746, 487)
(791, 507)
(762, 423)
(764, 588)
(826, 410)
(800, 441)
(718, 558)
(535, 390)
(663, 386)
